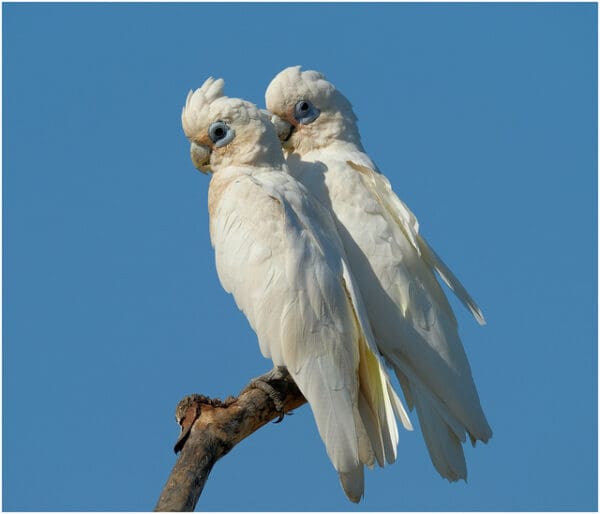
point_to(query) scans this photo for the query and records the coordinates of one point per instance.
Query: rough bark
(210, 428)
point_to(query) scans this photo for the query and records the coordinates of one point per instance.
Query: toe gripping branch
(278, 387)
(275, 385)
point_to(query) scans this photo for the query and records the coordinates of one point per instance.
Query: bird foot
(278, 373)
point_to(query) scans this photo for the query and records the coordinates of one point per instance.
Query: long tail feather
(445, 448)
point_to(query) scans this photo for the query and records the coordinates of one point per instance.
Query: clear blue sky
(484, 118)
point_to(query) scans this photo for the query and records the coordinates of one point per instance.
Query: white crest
(197, 105)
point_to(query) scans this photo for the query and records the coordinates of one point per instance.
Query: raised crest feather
(197, 105)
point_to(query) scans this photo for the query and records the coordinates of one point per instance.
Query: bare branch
(210, 428)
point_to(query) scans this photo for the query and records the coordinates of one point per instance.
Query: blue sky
(483, 117)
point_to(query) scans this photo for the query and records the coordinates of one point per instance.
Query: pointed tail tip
(477, 314)
(353, 483)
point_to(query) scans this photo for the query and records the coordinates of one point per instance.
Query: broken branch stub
(210, 428)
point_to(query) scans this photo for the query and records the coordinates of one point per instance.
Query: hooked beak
(283, 128)
(200, 155)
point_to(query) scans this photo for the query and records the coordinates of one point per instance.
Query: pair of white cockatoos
(328, 265)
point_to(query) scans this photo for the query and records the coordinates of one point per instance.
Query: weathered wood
(210, 428)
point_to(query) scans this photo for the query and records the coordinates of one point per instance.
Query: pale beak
(283, 127)
(200, 155)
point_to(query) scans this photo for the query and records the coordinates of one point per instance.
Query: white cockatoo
(414, 326)
(278, 252)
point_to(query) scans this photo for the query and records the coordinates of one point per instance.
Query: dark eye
(220, 133)
(305, 112)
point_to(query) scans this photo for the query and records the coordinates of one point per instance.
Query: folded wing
(414, 325)
(275, 253)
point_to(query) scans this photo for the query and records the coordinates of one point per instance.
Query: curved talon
(270, 391)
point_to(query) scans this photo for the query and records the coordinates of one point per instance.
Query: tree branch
(210, 428)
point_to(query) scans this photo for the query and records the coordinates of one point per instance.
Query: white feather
(278, 252)
(394, 268)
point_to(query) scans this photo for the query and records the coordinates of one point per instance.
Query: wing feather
(413, 324)
(434, 260)
(280, 256)
(407, 221)
(433, 326)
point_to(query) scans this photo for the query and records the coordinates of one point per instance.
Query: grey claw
(277, 373)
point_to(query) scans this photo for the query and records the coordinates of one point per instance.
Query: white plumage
(412, 321)
(278, 253)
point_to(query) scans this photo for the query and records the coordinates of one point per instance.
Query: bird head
(309, 111)
(227, 131)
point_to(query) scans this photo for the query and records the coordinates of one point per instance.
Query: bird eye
(305, 112)
(220, 134)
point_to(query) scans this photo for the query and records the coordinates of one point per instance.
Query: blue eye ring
(305, 112)
(220, 133)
